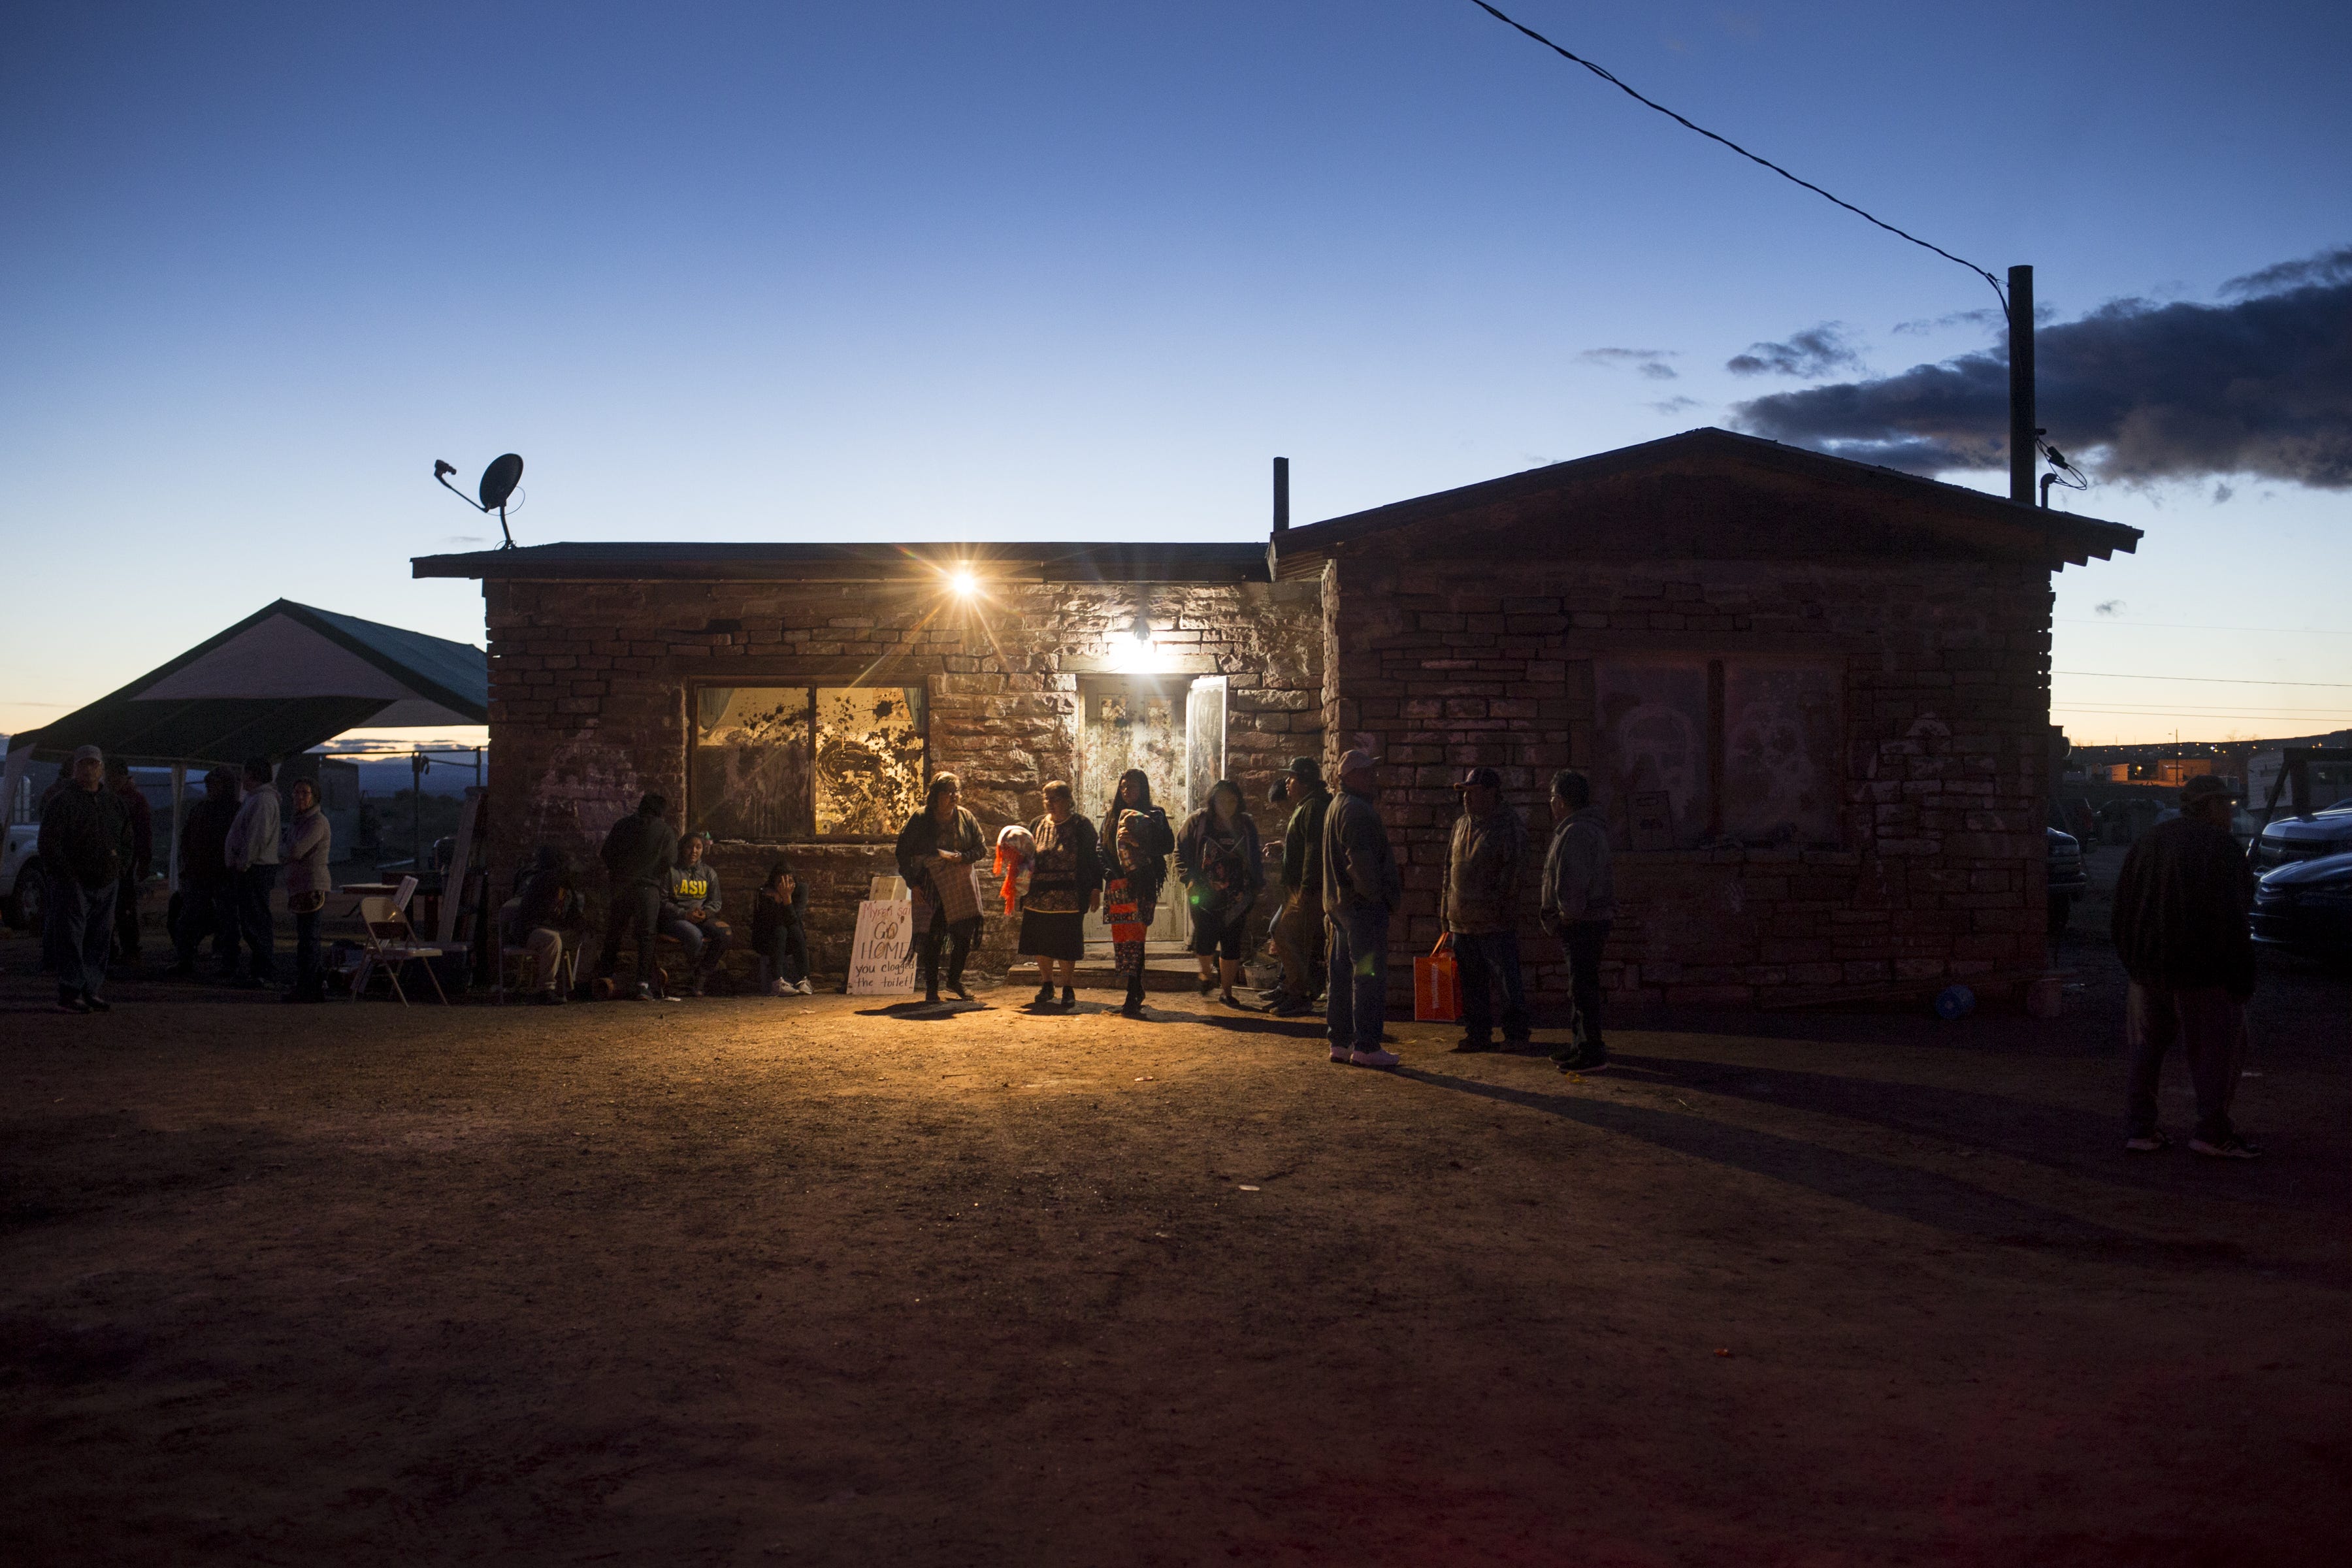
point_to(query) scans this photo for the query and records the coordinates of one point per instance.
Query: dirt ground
(758, 1280)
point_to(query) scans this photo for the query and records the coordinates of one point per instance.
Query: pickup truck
(20, 877)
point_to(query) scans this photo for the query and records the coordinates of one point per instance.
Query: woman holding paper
(937, 851)
(1064, 886)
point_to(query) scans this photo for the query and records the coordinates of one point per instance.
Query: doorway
(1171, 727)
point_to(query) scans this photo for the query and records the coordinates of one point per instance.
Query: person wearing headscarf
(1218, 858)
(937, 847)
(1064, 886)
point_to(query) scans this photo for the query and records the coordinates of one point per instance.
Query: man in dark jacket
(1485, 863)
(142, 855)
(1298, 926)
(206, 905)
(85, 843)
(2181, 930)
(638, 855)
(1361, 888)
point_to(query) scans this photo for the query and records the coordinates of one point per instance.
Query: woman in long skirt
(1064, 886)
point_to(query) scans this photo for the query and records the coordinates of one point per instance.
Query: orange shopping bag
(1436, 986)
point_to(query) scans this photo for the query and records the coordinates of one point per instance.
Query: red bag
(1436, 986)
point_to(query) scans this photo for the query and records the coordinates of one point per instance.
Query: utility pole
(2023, 433)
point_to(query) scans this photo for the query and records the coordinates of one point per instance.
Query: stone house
(1813, 696)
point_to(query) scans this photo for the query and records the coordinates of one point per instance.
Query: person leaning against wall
(691, 905)
(1579, 903)
(1064, 886)
(1362, 888)
(940, 842)
(779, 931)
(85, 841)
(252, 853)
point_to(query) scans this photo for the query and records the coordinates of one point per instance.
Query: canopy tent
(280, 681)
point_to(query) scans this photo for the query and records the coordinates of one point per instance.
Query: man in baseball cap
(1486, 860)
(2180, 928)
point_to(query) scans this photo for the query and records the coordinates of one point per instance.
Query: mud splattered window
(870, 760)
(782, 763)
(1696, 752)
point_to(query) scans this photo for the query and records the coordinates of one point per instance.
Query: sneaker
(1341, 1053)
(1374, 1058)
(1469, 1045)
(93, 1003)
(644, 992)
(2146, 1142)
(71, 1001)
(1581, 1064)
(1292, 1009)
(806, 989)
(2236, 1146)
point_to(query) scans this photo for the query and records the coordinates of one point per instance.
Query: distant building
(1813, 695)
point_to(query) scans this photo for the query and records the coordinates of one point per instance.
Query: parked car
(2068, 880)
(2306, 907)
(21, 888)
(2291, 838)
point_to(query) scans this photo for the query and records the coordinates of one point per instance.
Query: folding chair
(392, 942)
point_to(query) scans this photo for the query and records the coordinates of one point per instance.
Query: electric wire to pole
(1611, 77)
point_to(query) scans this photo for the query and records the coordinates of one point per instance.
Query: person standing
(1155, 840)
(1580, 900)
(1064, 886)
(205, 906)
(1298, 926)
(252, 854)
(940, 842)
(691, 903)
(780, 933)
(305, 853)
(84, 844)
(1125, 908)
(1484, 863)
(1362, 888)
(2181, 902)
(143, 856)
(1224, 868)
(637, 853)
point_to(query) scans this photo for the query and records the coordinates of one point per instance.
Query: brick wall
(589, 681)
(1448, 656)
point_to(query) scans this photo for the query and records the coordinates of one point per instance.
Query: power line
(2198, 626)
(1609, 77)
(2205, 679)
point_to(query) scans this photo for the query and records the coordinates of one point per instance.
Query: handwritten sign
(882, 956)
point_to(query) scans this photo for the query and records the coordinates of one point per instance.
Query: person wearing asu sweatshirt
(690, 911)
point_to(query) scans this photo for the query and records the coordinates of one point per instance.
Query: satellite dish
(499, 479)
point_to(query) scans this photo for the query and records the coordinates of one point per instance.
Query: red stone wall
(1445, 664)
(588, 685)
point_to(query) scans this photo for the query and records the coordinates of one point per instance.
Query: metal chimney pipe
(1282, 495)
(2021, 427)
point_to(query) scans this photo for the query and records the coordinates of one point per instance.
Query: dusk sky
(1056, 270)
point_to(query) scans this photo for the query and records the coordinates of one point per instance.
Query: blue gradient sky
(1046, 269)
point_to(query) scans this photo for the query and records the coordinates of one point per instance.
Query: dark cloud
(1815, 352)
(2137, 392)
(2107, 607)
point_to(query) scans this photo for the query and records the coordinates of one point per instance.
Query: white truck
(20, 877)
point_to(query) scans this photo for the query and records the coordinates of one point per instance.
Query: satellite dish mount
(499, 481)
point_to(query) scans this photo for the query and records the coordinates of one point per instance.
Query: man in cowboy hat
(2181, 930)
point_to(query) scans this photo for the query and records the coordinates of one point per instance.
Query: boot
(1133, 1005)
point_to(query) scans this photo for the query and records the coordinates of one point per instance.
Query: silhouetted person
(252, 854)
(1362, 888)
(940, 842)
(1064, 886)
(85, 842)
(637, 855)
(207, 902)
(1298, 927)
(306, 849)
(143, 856)
(2181, 930)
(1580, 900)
(1485, 862)
(545, 906)
(779, 931)
(1223, 868)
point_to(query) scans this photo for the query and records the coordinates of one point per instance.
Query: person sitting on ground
(1224, 868)
(202, 907)
(85, 842)
(690, 911)
(546, 905)
(1132, 861)
(2181, 903)
(1064, 886)
(779, 931)
(637, 853)
(143, 856)
(305, 851)
(936, 850)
